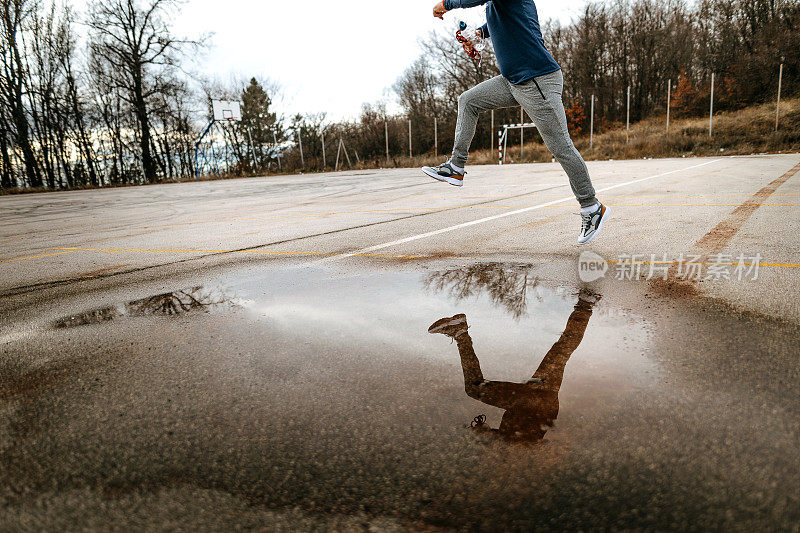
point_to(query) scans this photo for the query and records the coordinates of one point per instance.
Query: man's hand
(439, 10)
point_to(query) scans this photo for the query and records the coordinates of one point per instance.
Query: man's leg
(551, 369)
(489, 94)
(541, 99)
(469, 362)
(502, 394)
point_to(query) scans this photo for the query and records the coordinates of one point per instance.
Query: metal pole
(252, 149)
(344, 149)
(409, 138)
(591, 125)
(521, 133)
(275, 142)
(324, 163)
(505, 143)
(491, 144)
(435, 137)
(711, 110)
(778, 105)
(669, 89)
(628, 116)
(300, 142)
(386, 129)
(213, 158)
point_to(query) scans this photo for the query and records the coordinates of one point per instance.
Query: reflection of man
(531, 407)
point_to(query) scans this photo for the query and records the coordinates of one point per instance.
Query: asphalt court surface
(520, 212)
(258, 349)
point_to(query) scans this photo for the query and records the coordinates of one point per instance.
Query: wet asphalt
(203, 388)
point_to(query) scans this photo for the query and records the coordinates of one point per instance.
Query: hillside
(746, 131)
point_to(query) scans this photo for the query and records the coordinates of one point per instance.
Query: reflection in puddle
(166, 304)
(531, 407)
(506, 285)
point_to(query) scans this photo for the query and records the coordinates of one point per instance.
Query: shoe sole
(599, 227)
(452, 181)
(449, 323)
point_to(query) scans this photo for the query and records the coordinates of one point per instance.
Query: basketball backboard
(226, 110)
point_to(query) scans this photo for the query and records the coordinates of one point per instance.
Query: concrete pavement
(254, 353)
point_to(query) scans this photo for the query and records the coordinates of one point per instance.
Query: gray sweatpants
(543, 104)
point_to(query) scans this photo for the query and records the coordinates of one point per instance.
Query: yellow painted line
(114, 250)
(368, 211)
(698, 205)
(275, 252)
(605, 196)
(38, 256)
(633, 205)
(273, 217)
(266, 252)
(783, 265)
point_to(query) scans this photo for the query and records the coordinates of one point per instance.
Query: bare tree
(13, 14)
(135, 39)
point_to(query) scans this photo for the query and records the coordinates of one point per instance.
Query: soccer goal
(502, 139)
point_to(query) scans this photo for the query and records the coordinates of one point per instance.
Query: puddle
(461, 396)
(166, 304)
(527, 332)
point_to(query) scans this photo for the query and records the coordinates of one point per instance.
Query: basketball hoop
(227, 111)
(223, 111)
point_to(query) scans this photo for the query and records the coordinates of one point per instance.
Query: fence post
(591, 125)
(628, 116)
(324, 163)
(499, 148)
(252, 151)
(521, 133)
(344, 149)
(409, 138)
(491, 138)
(669, 89)
(778, 105)
(300, 142)
(275, 142)
(386, 130)
(711, 110)
(435, 137)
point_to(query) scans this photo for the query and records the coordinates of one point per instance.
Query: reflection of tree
(95, 316)
(507, 285)
(175, 303)
(168, 303)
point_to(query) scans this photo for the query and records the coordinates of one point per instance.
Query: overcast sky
(328, 56)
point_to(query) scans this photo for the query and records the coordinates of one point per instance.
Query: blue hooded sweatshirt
(513, 26)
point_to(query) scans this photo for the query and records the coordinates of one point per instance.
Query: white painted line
(495, 217)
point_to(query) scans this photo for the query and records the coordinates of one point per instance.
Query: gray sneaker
(592, 223)
(453, 326)
(446, 172)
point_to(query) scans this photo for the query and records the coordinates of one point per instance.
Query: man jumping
(530, 77)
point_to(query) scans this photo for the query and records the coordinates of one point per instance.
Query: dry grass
(747, 131)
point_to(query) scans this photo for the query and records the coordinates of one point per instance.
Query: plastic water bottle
(470, 34)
